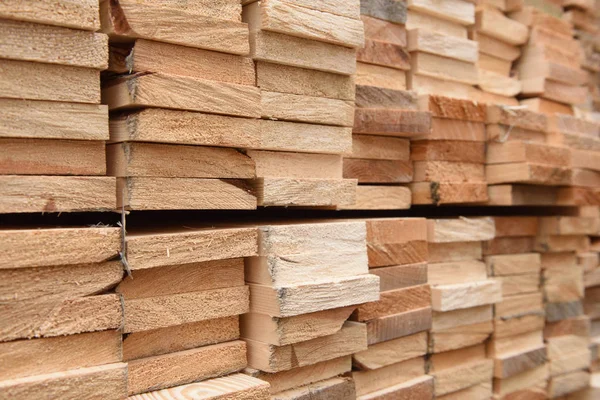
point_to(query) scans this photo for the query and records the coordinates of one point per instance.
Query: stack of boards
(53, 128)
(581, 13)
(394, 366)
(305, 282)
(462, 297)
(499, 38)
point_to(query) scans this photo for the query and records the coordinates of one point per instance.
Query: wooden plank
(183, 93)
(54, 45)
(452, 108)
(378, 76)
(299, 328)
(47, 194)
(337, 7)
(453, 379)
(419, 388)
(446, 273)
(177, 161)
(296, 165)
(494, 64)
(454, 70)
(569, 225)
(144, 314)
(301, 376)
(71, 14)
(301, 299)
(383, 31)
(129, 20)
(531, 69)
(455, 251)
(102, 382)
(398, 325)
(558, 243)
(420, 20)
(380, 148)
(530, 383)
(394, 302)
(449, 320)
(310, 109)
(230, 10)
(502, 133)
(396, 253)
(448, 171)
(49, 82)
(517, 306)
(273, 47)
(460, 230)
(563, 286)
(460, 337)
(525, 172)
(513, 264)
(185, 278)
(381, 97)
(569, 124)
(239, 386)
(465, 295)
(552, 90)
(381, 378)
(305, 138)
(350, 339)
(533, 16)
(509, 245)
(378, 171)
(428, 85)
(548, 107)
(497, 48)
(451, 129)
(401, 276)
(522, 195)
(448, 193)
(516, 226)
(391, 352)
(525, 118)
(44, 284)
(335, 388)
(397, 123)
(448, 150)
(150, 56)
(579, 326)
(460, 12)
(384, 54)
(380, 198)
(139, 193)
(585, 159)
(59, 354)
(479, 391)
(49, 157)
(298, 20)
(519, 152)
(160, 372)
(289, 192)
(519, 284)
(441, 45)
(180, 337)
(497, 84)
(585, 178)
(493, 23)
(387, 10)
(519, 324)
(568, 383)
(281, 78)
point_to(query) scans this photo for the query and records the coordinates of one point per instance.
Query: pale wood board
(380, 148)
(394, 302)
(378, 76)
(448, 69)
(381, 378)
(421, 20)
(71, 14)
(384, 31)
(335, 388)
(398, 325)
(292, 192)
(441, 45)
(457, 11)
(375, 96)
(419, 388)
(296, 165)
(391, 352)
(389, 122)
(448, 171)
(465, 295)
(438, 193)
(378, 171)
(401, 276)
(448, 150)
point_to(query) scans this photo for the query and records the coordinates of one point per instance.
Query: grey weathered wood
(389, 10)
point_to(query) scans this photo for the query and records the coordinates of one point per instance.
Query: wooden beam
(448, 150)
(453, 297)
(384, 31)
(530, 173)
(460, 12)
(381, 378)
(387, 122)
(380, 198)
(460, 230)
(444, 68)
(441, 45)
(289, 192)
(452, 108)
(394, 302)
(520, 152)
(398, 325)
(387, 10)
(448, 171)
(78, 15)
(420, 388)
(420, 20)
(448, 193)
(378, 171)
(378, 76)
(335, 388)
(513, 264)
(279, 164)
(446, 273)
(460, 337)
(493, 23)
(401, 276)
(455, 251)
(384, 54)
(391, 352)
(380, 148)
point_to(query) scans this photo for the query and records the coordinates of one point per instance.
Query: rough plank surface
(77, 14)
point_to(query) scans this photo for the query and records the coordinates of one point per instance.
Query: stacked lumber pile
(305, 58)
(305, 282)
(550, 64)
(499, 38)
(393, 365)
(517, 344)
(462, 299)
(386, 115)
(53, 127)
(559, 241)
(181, 302)
(60, 333)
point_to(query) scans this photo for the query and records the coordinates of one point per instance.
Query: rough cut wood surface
(389, 122)
(418, 388)
(387, 10)
(465, 295)
(335, 388)
(380, 148)
(524, 172)
(384, 31)
(53, 120)
(150, 56)
(378, 76)
(378, 171)
(29, 319)
(185, 246)
(445, 46)
(391, 352)
(290, 192)
(461, 12)
(183, 93)
(129, 19)
(384, 54)
(54, 45)
(398, 325)
(401, 276)
(48, 194)
(460, 230)
(515, 152)
(140, 193)
(77, 14)
(448, 193)
(380, 198)
(162, 311)
(307, 82)
(301, 299)
(448, 69)
(42, 356)
(274, 47)
(452, 108)
(368, 96)
(448, 171)
(37, 81)
(495, 24)
(235, 386)
(454, 129)
(304, 138)
(58, 282)
(183, 367)
(177, 161)
(180, 337)
(50, 157)
(448, 150)
(105, 382)
(381, 378)
(295, 19)
(350, 339)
